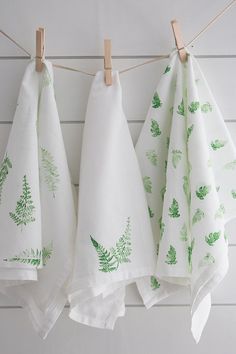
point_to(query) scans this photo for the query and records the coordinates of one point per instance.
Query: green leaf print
(233, 193)
(198, 216)
(189, 131)
(171, 256)
(50, 171)
(218, 144)
(25, 208)
(176, 157)
(212, 238)
(154, 283)
(147, 184)
(207, 260)
(202, 192)
(181, 108)
(193, 107)
(206, 107)
(4, 170)
(190, 252)
(109, 260)
(184, 233)
(163, 190)
(155, 129)
(230, 165)
(152, 157)
(167, 69)
(47, 253)
(174, 209)
(162, 227)
(186, 188)
(156, 102)
(151, 214)
(220, 212)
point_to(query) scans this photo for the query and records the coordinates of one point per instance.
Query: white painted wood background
(75, 30)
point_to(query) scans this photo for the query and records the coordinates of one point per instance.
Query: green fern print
(25, 208)
(212, 238)
(154, 283)
(180, 110)
(207, 260)
(220, 212)
(230, 165)
(155, 129)
(33, 257)
(206, 107)
(152, 157)
(162, 227)
(109, 260)
(176, 157)
(198, 216)
(50, 171)
(4, 170)
(171, 256)
(151, 214)
(184, 233)
(174, 209)
(189, 131)
(190, 252)
(233, 193)
(194, 106)
(186, 188)
(217, 144)
(202, 192)
(167, 69)
(156, 102)
(163, 190)
(147, 184)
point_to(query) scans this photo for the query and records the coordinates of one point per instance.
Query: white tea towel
(114, 243)
(188, 161)
(37, 212)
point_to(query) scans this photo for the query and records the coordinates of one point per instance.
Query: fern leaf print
(206, 107)
(156, 101)
(207, 260)
(50, 171)
(212, 238)
(4, 170)
(174, 209)
(167, 69)
(218, 144)
(176, 157)
(202, 192)
(152, 157)
(147, 183)
(155, 129)
(171, 256)
(198, 216)
(186, 188)
(194, 106)
(180, 110)
(154, 283)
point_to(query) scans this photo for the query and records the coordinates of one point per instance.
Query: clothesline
(160, 57)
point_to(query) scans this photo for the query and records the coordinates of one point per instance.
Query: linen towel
(188, 162)
(114, 244)
(37, 211)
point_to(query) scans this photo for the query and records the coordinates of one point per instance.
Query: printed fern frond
(206, 107)
(47, 253)
(50, 171)
(207, 260)
(189, 131)
(4, 170)
(154, 283)
(155, 129)
(194, 106)
(174, 209)
(150, 212)
(233, 193)
(218, 144)
(171, 256)
(32, 257)
(147, 183)
(190, 252)
(202, 191)
(167, 69)
(162, 227)
(156, 101)
(180, 110)
(176, 157)
(186, 188)
(198, 216)
(212, 238)
(107, 262)
(184, 233)
(152, 157)
(220, 212)
(123, 249)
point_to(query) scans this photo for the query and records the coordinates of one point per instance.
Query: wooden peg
(179, 41)
(40, 46)
(107, 62)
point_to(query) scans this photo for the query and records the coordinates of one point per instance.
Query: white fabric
(114, 243)
(188, 162)
(37, 212)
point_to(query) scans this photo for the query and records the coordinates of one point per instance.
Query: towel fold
(188, 161)
(114, 244)
(37, 212)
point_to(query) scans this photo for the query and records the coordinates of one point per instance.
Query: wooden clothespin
(40, 46)
(107, 62)
(179, 41)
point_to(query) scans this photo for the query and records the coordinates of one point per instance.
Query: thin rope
(17, 44)
(73, 69)
(159, 57)
(216, 18)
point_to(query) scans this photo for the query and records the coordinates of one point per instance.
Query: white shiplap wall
(74, 36)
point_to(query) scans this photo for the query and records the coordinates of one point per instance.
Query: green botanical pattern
(50, 171)
(155, 129)
(33, 257)
(233, 193)
(25, 208)
(162, 227)
(220, 212)
(156, 102)
(174, 209)
(165, 166)
(167, 69)
(198, 216)
(152, 157)
(176, 157)
(181, 108)
(190, 252)
(154, 283)
(186, 188)
(184, 233)
(147, 184)
(4, 170)
(109, 260)
(202, 192)
(151, 214)
(206, 107)
(207, 260)
(218, 144)
(194, 106)
(171, 256)
(189, 131)
(163, 190)
(212, 238)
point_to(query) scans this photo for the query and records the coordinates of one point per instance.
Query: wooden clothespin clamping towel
(179, 41)
(40, 49)
(107, 62)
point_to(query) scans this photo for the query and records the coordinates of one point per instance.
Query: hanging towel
(114, 244)
(188, 162)
(37, 212)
